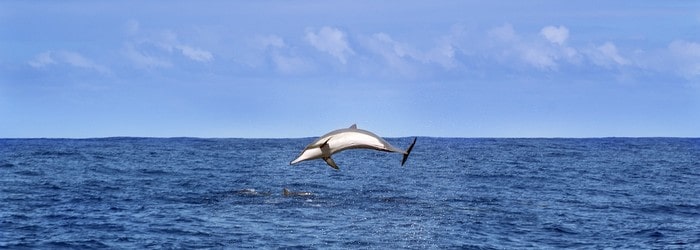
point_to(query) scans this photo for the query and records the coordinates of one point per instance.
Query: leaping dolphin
(348, 138)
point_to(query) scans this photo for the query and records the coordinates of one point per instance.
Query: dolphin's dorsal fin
(354, 126)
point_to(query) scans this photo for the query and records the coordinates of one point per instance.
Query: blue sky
(302, 68)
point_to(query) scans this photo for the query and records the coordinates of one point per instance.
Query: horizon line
(391, 137)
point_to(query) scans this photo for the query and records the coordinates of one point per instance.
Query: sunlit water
(227, 193)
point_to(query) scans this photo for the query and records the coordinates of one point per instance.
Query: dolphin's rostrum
(348, 138)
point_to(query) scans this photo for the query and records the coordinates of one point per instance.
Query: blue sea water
(140, 193)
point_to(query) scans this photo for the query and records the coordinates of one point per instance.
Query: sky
(285, 69)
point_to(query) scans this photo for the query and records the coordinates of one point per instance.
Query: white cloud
(606, 55)
(559, 51)
(506, 46)
(391, 47)
(272, 41)
(78, 60)
(290, 64)
(142, 48)
(685, 49)
(443, 54)
(403, 57)
(687, 57)
(391, 51)
(272, 50)
(70, 58)
(42, 60)
(331, 41)
(538, 57)
(504, 33)
(557, 35)
(168, 41)
(145, 61)
(195, 54)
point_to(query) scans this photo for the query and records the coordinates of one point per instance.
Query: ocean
(472, 193)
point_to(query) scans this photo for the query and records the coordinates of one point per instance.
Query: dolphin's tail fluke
(408, 151)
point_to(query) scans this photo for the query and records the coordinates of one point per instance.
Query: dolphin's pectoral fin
(354, 126)
(331, 163)
(325, 148)
(326, 153)
(408, 151)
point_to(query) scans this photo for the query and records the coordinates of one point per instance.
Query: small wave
(651, 233)
(19, 217)
(104, 169)
(20, 245)
(152, 171)
(398, 200)
(677, 209)
(224, 195)
(250, 192)
(189, 219)
(50, 186)
(30, 173)
(55, 153)
(179, 232)
(559, 229)
(76, 244)
(61, 217)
